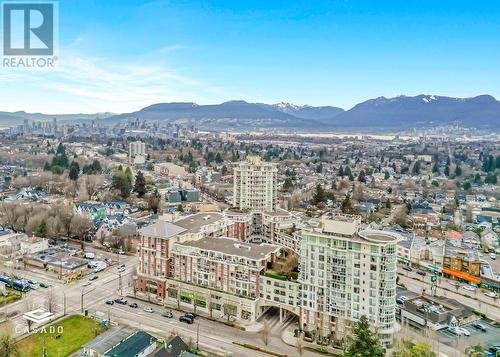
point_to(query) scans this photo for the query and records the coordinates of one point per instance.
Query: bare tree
(92, 184)
(51, 301)
(266, 332)
(79, 227)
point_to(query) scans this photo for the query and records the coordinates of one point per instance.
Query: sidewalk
(240, 324)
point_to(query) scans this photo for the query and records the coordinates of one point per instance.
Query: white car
(87, 283)
(468, 287)
(493, 256)
(121, 270)
(491, 294)
(148, 309)
(464, 331)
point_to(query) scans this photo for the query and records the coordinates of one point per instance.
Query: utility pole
(64, 303)
(197, 336)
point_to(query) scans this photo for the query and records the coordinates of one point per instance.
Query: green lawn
(11, 297)
(78, 330)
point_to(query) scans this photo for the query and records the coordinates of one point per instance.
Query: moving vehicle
(121, 301)
(44, 285)
(109, 302)
(421, 272)
(87, 283)
(479, 326)
(465, 332)
(493, 256)
(407, 268)
(148, 309)
(121, 270)
(167, 314)
(190, 315)
(134, 305)
(491, 294)
(186, 319)
(95, 277)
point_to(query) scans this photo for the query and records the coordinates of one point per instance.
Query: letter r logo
(28, 29)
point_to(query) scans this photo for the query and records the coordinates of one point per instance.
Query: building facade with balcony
(346, 273)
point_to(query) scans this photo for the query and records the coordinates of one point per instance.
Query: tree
(362, 176)
(8, 345)
(122, 181)
(416, 168)
(341, 171)
(180, 208)
(140, 184)
(288, 184)
(363, 343)
(319, 195)
(467, 186)
(491, 178)
(40, 230)
(346, 205)
(458, 171)
(416, 350)
(80, 226)
(386, 175)
(447, 170)
(74, 170)
(154, 201)
(435, 168)
(266, 332)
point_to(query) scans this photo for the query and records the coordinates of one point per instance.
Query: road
(475, 299)
(213, 336)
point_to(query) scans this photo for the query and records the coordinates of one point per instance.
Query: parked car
(121, 270)
(186, 319)
(121, 301)
(87, 283)
(421, 272)
(134, 305)
(400, 300)
(493, 256)
(407, 268)
(468, 287)
(93, 278)
(44, 285)
(167, 314)
(190, 315)
(479, 326)
(149, 309)
(109, 302)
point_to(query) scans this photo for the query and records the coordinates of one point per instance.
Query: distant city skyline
(120, 56)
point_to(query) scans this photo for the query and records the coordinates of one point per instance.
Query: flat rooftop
(233, 247)
(379, 236)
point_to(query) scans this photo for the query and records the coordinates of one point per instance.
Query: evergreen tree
(61, 150)
(218, 158)
(180, 208)
(362, 176)
(435, 168)
(154, 201)
(74, 171)
(140, 184)
(346, 205)
(288, 184)
(447, 170)
(341, 171)
(223, 170)
(46, 167)
(416, 168)
(363, 343)
(491, 178)
(386, 175)
(319, 195)
(319, 168)
(41, 228)
(458, 171)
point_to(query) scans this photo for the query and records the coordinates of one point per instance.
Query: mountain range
(398, 113)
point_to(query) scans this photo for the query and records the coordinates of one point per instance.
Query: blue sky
(122, 55)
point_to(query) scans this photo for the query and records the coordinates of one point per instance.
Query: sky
(121, 55)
